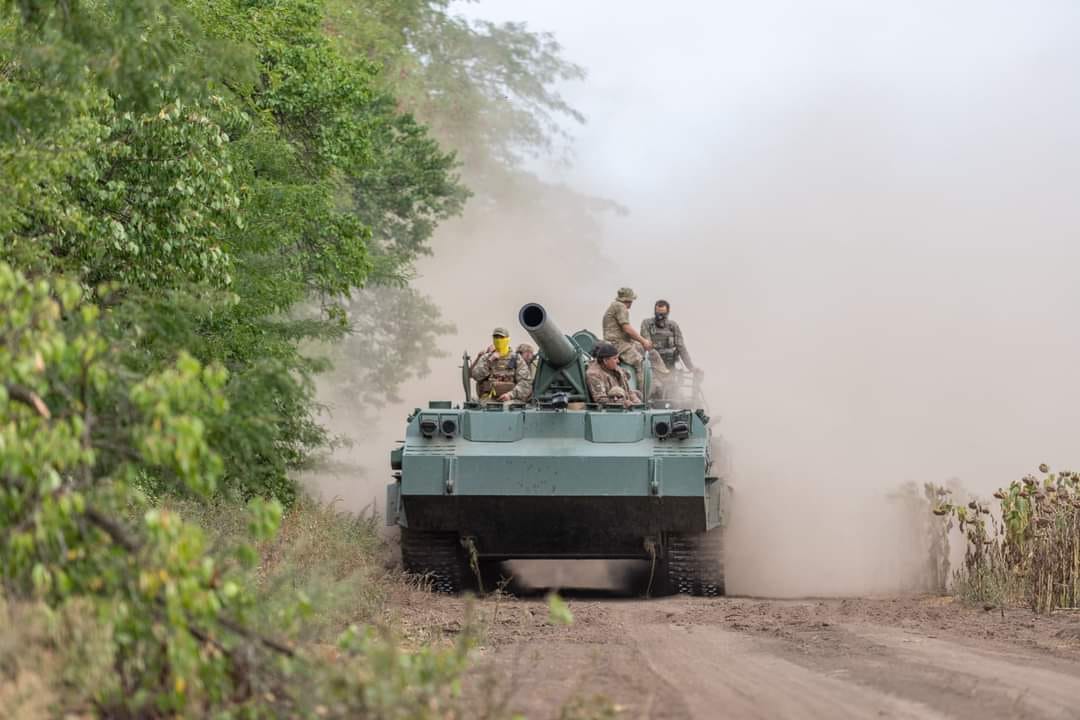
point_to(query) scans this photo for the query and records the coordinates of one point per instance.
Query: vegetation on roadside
(195, 193)
(188, 616)
(1027, 550)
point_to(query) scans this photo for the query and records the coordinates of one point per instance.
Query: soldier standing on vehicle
(608, 383)
(666, 336)
(627, 341)
(497, 371)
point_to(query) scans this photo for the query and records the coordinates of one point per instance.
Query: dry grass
(323, 557)
(332, 560)
(52, 660)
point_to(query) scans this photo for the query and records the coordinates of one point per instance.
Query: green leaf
(558, 611)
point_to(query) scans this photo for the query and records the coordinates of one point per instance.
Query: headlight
(661, 428)
(449, 427)
(428, 426)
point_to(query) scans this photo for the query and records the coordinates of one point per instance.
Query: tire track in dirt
(1013, 684)
(724, 674)
(744, 658)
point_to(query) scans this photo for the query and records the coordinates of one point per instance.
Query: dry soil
(681, 657)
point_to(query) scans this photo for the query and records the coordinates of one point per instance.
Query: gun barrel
(557, 349)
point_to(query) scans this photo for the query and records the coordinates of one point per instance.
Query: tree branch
(243, 632)
(29, 398)
(112, 529)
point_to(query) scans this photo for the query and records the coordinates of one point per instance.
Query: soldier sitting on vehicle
(500, 374)
(666, 336)
(609, 383)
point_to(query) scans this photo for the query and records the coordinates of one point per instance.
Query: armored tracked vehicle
(559, 477)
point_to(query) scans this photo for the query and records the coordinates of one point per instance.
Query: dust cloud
(867, 228)
(874, 257)
(352, 474)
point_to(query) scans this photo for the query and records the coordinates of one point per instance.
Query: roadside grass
(987, 577)
(323, 557)
(52, 660)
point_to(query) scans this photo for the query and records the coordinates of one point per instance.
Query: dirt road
(748, 658)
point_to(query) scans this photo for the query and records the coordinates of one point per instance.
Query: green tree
(487, 89)
(229, 204)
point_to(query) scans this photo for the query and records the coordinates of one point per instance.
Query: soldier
(608, 383)
(497, 371)
(522, 391)
(666, 336)
(619, 332)
(528, 356)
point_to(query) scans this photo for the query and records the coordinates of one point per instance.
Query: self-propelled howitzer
(558, 477)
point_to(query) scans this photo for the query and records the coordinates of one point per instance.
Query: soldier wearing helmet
(628, 342)
(608, 383)
(499, 373)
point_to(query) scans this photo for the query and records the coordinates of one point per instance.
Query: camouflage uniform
(609, 386)
(522, 391)
(667, 339)
(495, 375)
(615, 317)
(630, 351)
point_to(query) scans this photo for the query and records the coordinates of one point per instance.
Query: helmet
(525, 347)
(500, 332)
(625, 294)
(604, 350)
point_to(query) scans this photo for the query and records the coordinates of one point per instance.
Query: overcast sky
(675, 87)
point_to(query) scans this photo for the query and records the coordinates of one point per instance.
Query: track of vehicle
(437, 558)
(694, 565)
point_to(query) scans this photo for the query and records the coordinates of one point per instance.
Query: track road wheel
(694, 564)
(437, 556)
(492, 575)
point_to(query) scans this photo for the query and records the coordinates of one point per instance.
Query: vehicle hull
(517, 527)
